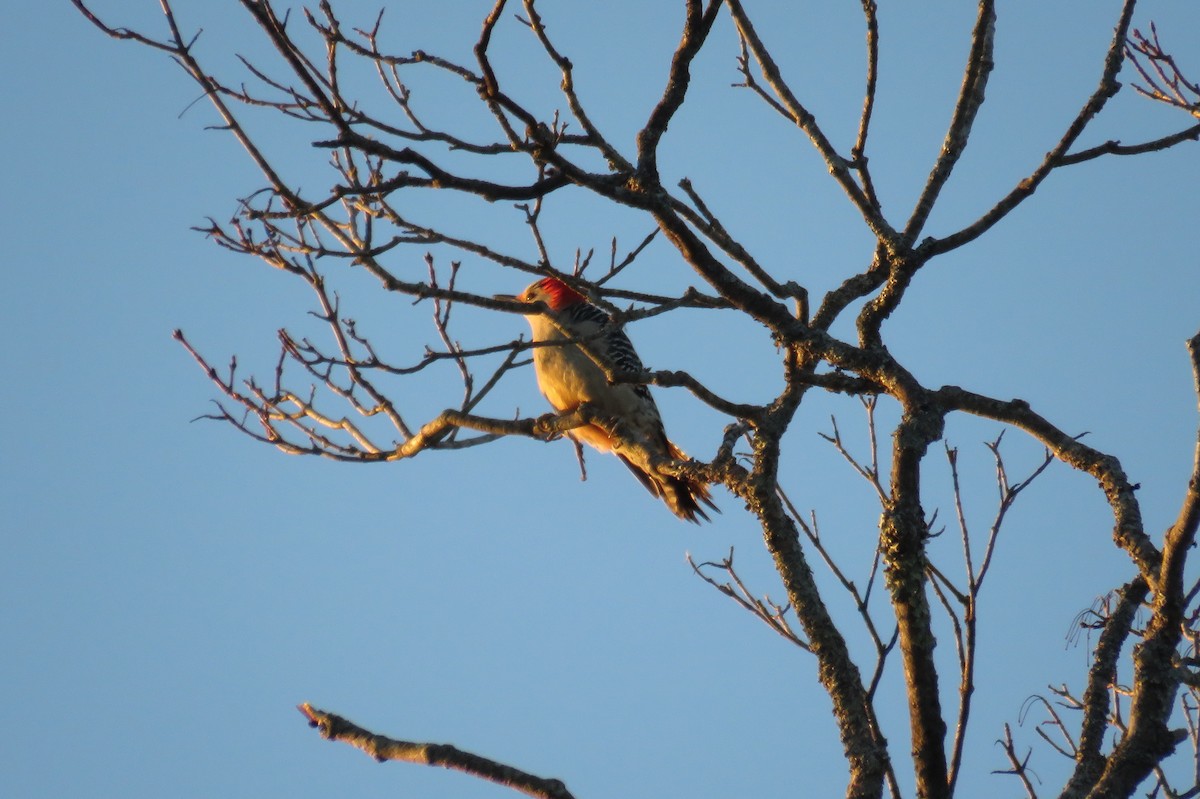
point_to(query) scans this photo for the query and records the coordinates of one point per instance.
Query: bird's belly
(568, 378)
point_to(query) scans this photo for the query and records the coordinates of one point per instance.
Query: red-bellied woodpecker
(568, 377)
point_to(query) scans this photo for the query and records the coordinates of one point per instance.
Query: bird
(568, 377)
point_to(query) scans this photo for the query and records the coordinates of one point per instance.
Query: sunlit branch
(1181, 536)
(1019, 765)
(861, 598)
(852, 288)
(970, 98)
(1116, 624)
(332, 394)
(1107, 87)
(1008, 495)
(858, 153)
(770, 613)
(1164, 80)
(707, 223)
(615, 268)
(1116, 148)
(383, 749)
(593, 134)
(695, 32)
(1129, 532)
(870, 472)
(838, 166)
(966, 631)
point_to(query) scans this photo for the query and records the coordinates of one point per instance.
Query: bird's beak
(509, 298)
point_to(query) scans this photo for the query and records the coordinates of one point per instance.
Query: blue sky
(171, 590)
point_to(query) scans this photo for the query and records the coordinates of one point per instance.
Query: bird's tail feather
(681, 494)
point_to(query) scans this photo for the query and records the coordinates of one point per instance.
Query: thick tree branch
(1149, 740)
(1128, 532)
(1182, 534)
(862, 742)
(903, 532)
(1089, 759)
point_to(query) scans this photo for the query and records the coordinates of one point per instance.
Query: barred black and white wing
(613, 345)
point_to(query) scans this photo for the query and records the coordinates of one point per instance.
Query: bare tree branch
(970, 98)
(382, 748)
(1107, 87)
(789, 103)
(334, 393)
(1164, 80)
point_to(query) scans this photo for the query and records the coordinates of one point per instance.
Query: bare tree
(1120, 733)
